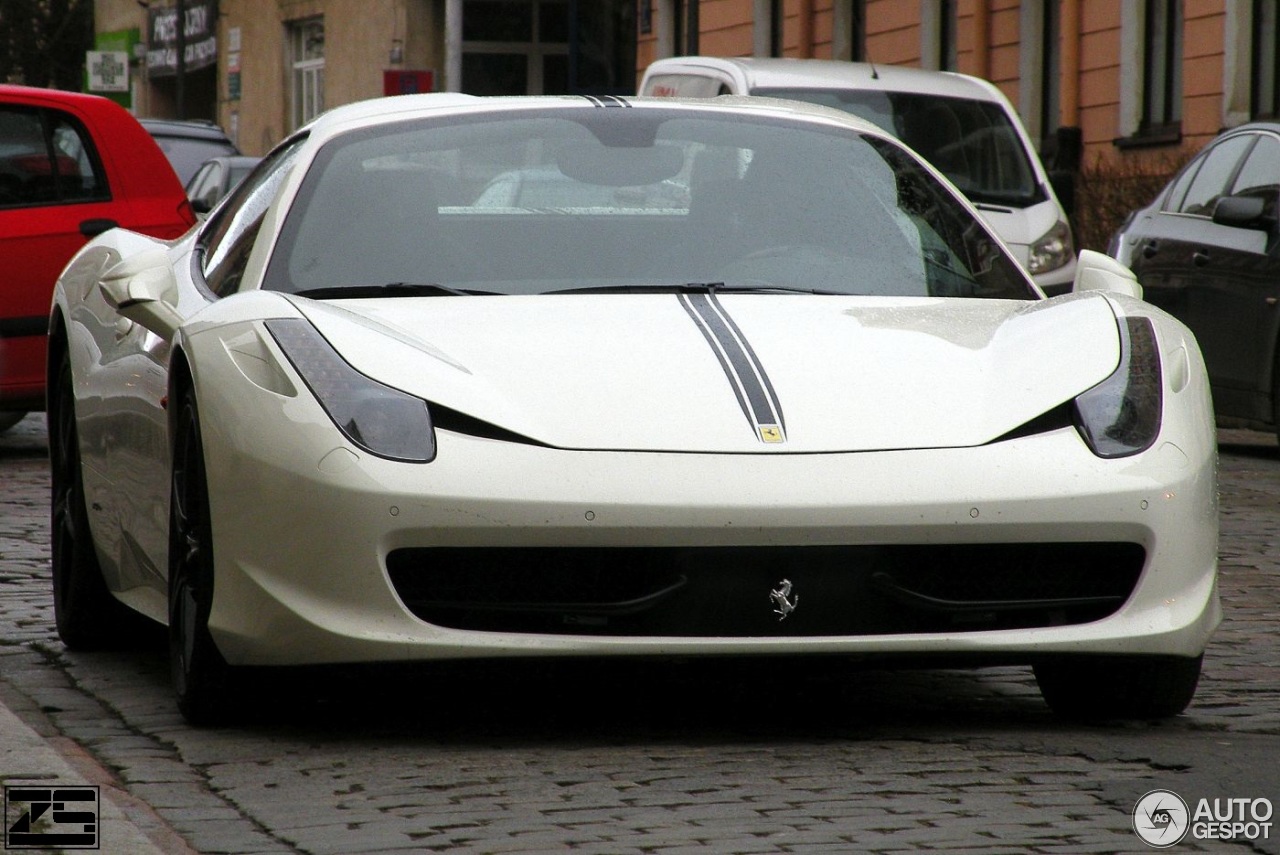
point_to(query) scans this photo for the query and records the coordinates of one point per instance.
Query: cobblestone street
(648, 758)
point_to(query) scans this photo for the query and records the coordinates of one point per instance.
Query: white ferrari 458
(451, 377)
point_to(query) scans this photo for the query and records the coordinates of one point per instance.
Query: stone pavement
(542, 758)
(28, 758)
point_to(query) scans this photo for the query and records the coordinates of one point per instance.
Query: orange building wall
(989, 45)
(893, 32)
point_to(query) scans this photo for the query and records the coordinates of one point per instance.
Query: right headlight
(1121, 415)
(1052, 250)
(374, 416)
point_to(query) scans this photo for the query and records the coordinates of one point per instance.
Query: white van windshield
(972, 142)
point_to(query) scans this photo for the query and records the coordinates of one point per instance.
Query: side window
(1179, 189)
(228, 237)
(46, 158)
(75, 160)
(1210, 182)
(1260, 175)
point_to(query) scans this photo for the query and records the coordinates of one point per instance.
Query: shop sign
(199, 30)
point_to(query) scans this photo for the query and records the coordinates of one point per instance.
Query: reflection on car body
(797, 407)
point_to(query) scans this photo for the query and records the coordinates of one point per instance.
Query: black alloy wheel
(201, 677)
(86, 614)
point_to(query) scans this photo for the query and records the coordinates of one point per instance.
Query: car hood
(652, 373)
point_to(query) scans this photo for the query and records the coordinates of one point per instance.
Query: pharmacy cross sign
(108, 71)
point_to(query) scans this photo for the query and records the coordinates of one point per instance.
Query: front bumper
(301, 569)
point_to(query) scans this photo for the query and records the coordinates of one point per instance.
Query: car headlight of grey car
(1121, 415)
(381, 420)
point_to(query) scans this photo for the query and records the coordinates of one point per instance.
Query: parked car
(962, 125)
(215, 178)
(188, 144)
(71, 167)
(1207, 251)
(804, 413)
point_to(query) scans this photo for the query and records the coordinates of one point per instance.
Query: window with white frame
(1162, 78)
(306, 53)
(515, 47)
(938, 33)
(1150, 72)
(1264, 100)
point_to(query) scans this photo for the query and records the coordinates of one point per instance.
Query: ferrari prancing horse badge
(782, 600)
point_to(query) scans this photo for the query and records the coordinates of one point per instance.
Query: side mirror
(1242, 212)
(1098, 272)
(143, 289)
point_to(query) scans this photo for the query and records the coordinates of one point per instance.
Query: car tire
(86, 614)
(1101, 687)
(202, 680)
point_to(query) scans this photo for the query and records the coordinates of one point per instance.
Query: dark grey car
(188, 144)
(1207, 251)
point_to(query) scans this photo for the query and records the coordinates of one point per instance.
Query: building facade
(1125, 88)
(1109, 80)
(263, 68)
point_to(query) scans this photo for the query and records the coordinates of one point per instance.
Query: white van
(964, 126)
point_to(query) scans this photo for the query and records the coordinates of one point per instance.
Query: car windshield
(603, 199)
(972, 142)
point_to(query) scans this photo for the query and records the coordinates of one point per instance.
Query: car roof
(397, 107)
(195, 129)
(785, 73)
(17, 92)
(235, 159)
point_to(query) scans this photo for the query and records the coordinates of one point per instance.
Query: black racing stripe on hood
(746, 375)
(607, 101)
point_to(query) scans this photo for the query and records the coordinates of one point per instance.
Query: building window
(938, 34)
(688, 26)
(947, 36)
(515, 47)
(1150, 73)
(1051, 70)
(306, 50)
(1264, 97)
(1040, 69)
(858, 31)
(1162, 69)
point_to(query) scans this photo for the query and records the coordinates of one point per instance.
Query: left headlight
(1121, 415)
(381, 420)
(1051, 250)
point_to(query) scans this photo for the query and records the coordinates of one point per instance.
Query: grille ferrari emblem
(784, 603)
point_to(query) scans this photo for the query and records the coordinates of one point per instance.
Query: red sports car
(71, 166)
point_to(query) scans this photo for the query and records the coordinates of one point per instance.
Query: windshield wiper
(694, 288)
(390, 289)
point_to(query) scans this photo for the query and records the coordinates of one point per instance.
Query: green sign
(115, 42)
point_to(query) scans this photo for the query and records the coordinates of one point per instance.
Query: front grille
(725, 591)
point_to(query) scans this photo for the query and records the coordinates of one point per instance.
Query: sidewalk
(30, 761)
